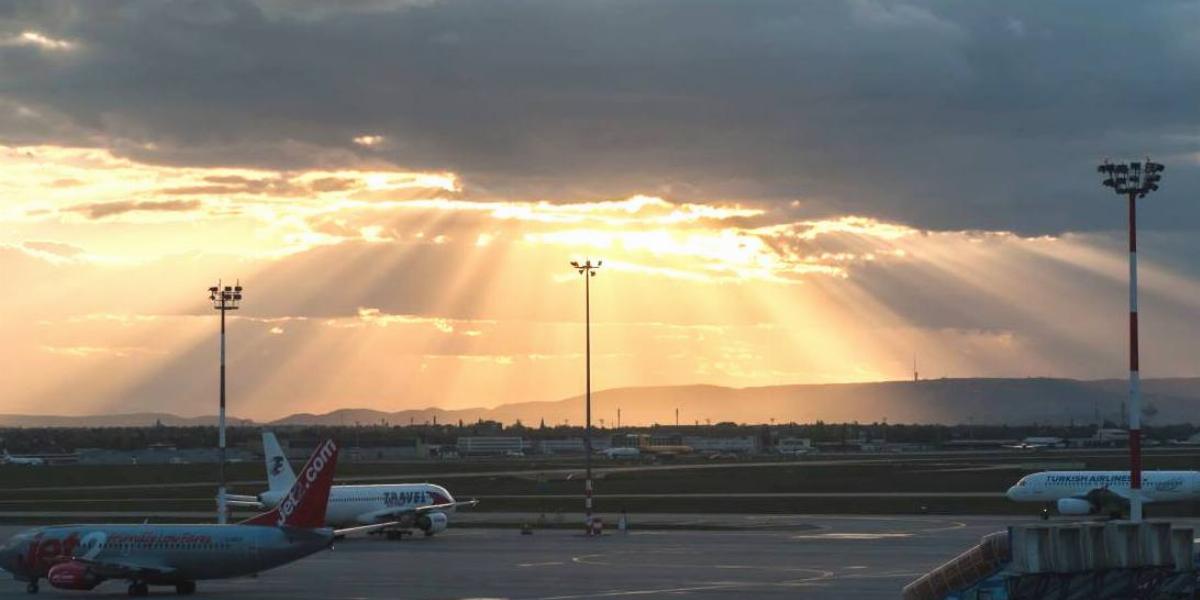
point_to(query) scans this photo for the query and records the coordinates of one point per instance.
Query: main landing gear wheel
(138, 588)
(186, 588)
(32, 588)
(394, 534)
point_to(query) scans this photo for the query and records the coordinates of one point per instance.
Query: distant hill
(998, 400)
(951, 401)
(114, 420)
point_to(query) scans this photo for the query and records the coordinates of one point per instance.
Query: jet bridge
(1069, 561)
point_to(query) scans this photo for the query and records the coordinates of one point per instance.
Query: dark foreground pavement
(775, 557)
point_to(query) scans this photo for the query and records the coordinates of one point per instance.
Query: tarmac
(699, 556)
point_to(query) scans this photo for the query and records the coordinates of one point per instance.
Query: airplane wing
(123, 569)
(406, 514)
(341, 533)
(1109, 500)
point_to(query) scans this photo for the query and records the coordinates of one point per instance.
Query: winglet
(305, 503)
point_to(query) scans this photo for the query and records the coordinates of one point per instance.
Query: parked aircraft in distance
(1103, 492)
(8, 459)
(408, 506)
(80, 557)
(616, 453)
(1038, 443)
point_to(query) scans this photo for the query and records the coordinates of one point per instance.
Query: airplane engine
(431, 523)
(1075, 506)
(72, 576)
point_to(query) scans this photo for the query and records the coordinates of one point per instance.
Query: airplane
(421, 506)
(1103, 492)
(1037, 443)
(81, 557)
(621, 452)
(8, 459)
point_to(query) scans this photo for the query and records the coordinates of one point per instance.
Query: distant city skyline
(781, 193)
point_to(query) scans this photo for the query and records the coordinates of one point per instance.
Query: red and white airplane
(408, 506)
(80, 557)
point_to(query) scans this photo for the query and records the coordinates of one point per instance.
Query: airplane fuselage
(1157, 486)
(180, 552)
(351, 505)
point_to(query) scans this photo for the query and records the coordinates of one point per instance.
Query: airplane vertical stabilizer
(279, 471)
(306, 501)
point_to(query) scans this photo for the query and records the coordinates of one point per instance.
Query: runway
(780, 556)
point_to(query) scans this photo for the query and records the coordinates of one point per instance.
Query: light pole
(1133, 180)
(588, 270)
(224, 299)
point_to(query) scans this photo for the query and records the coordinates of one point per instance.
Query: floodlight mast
(223, 298)
(1133, 180)
(588, 270)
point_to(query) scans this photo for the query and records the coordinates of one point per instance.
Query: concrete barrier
(1072, 561)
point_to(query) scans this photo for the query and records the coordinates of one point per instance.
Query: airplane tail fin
(306, 501)
(279, 472)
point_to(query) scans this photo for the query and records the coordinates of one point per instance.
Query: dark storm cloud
(939, 114)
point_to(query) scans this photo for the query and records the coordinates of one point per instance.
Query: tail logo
(276, 465)
(316, 465)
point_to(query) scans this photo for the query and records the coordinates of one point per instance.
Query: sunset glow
(384, 289)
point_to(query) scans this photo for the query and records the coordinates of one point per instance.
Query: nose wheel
(186, 588)
(32, 587)
(139, 589)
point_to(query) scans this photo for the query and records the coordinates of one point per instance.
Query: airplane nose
(1011, 493)
(8, 557)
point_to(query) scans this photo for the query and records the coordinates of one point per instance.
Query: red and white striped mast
(1133, 180)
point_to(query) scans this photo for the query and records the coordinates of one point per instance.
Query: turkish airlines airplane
(80, 557)
(1103, 492)
(8, 459)
(407, 506)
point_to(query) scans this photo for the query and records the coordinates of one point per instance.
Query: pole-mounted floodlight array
(1133, 180)
(1136, 178)
(588, 270)
(224, 298)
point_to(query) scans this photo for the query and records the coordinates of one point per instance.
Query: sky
(780, 191)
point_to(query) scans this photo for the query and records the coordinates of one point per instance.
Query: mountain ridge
(951, 401)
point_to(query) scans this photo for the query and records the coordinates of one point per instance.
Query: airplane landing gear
(185, 588)
(32, 587)
(138, 589)
(1045, 514)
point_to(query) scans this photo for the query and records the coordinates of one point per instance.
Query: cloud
(369, 141)
(922, 112)
(37, 40)
(96, 351)
(109, 209)
(59, 249)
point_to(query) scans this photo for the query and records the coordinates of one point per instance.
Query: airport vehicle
(80, 557)
(1103, 492)
(408, 506)
(33, 461)
(619, 453)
